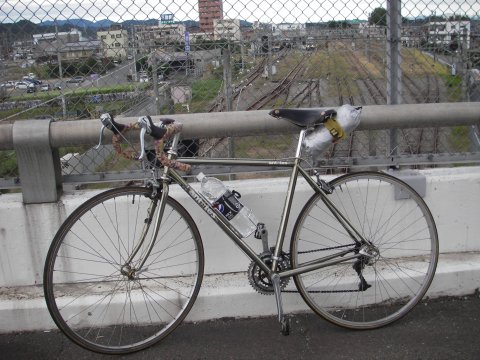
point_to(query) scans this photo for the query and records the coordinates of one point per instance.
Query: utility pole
(269, 62)
(227, 87)
(227, 78)
(60, 71)
(153, 58)
(394, 60)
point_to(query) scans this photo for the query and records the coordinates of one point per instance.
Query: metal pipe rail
(36, 142)
(244, 123)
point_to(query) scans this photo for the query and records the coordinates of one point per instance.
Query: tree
(378, 17)
(339, 24)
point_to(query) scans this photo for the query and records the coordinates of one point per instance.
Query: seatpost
(300, 143)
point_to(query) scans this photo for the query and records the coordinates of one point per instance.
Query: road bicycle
(125, 268)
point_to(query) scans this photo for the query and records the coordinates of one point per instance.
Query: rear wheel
(388, 281)
(97, 298)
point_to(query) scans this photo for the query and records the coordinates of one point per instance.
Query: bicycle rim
(88, 290)
(392, 216)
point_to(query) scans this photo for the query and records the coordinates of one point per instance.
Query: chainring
(259, 279)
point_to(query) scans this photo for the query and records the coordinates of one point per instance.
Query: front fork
(127, 269)
(157, 202)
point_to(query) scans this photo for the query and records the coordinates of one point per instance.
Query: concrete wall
(26, 231)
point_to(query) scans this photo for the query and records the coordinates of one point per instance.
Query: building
(413, 35)
(152, 37)
(70, 51)
(114, 42)
(23, 50)
(71, 36)
(290, 26)
(193, 63)
(209, 10)
(70, 45)
(227, 29)
(372, 31)
(448, 33)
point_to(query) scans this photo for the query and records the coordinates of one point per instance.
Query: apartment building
(114, 42)
(445, 33)
(227, 29)
(209, 10)
(152, 37)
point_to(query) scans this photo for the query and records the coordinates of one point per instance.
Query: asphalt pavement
(446, 328)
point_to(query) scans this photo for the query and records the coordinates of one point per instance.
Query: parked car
(22, 85)
(31, 88)
(7, 84)
(33, 81)
(76, 80)
(45, 87)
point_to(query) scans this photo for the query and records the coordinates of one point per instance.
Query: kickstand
(284, 320)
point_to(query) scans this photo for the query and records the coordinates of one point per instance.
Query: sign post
(187, 42)
(187, 50)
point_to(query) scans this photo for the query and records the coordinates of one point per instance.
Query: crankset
(260, 280)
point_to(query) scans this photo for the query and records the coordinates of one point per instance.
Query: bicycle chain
(265, 291)
(324, 249)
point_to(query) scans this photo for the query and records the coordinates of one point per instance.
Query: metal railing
(42, 171)
(174, 59)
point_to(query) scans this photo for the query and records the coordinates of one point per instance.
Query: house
(70, 50)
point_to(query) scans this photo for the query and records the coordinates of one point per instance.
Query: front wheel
(102, 300)
(391, 277)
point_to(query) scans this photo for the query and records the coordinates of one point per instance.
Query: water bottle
(227, 203)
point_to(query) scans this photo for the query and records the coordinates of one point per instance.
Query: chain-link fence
(74, 59)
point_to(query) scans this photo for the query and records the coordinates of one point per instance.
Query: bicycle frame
(170, 174)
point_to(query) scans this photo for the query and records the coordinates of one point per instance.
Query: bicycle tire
(390, 214)
(89, 298)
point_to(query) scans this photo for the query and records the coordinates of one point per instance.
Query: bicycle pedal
(285, 324)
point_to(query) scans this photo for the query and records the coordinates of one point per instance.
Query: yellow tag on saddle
(335, 129)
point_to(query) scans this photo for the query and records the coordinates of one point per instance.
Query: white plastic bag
(320, 138)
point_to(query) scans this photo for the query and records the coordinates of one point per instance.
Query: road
(445, 328)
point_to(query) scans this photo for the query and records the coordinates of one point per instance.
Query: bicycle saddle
(304, 117)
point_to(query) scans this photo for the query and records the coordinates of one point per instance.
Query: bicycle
(126, 266)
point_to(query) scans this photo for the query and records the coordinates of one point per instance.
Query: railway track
(298, 94)
(281, 88)
(219, 104)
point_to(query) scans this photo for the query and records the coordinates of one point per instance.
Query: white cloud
(275, 11)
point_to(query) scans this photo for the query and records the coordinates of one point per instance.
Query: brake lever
(106, 120)
(142, 143)
(101, 138)
(144, 124)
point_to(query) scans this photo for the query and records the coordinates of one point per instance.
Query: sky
(268, 11)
